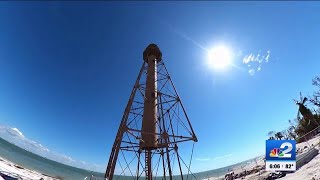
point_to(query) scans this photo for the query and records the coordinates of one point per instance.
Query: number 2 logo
(286, 152)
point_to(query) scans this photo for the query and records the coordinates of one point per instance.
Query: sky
(67, 70)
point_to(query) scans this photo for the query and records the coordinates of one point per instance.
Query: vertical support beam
(168, 157)
(116, 145)
(163, 164)
(138, 168)
(178, 157)
(152, 55)
(148, 134)
(175, 147)
(166, 139)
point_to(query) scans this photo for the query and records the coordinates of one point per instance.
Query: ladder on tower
(146, 164)
(147, 168)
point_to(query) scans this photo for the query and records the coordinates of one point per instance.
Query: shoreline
(12, 169)
(254, 170)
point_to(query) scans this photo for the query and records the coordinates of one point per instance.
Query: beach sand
(9, 168)
(306, 172)
(309, 171)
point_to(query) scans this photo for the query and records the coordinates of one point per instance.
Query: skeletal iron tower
(153, 126)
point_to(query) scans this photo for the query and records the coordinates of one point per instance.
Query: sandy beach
(309, 171)
(306, 172)
(9, 168)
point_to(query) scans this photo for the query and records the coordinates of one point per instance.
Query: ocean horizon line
(217, 171)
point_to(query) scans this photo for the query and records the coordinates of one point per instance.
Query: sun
(219, 57)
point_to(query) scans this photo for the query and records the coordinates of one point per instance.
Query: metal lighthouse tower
(153, 126)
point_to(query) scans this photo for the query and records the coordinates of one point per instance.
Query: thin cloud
(255, 61)
(202, 159)
(268, 55)
(16, 131)
(251, 72)
(15, 136)
(221, 157)
(248, 58)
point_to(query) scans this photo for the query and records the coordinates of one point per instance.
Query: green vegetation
(305, 127)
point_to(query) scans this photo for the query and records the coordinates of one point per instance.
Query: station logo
(281, 155)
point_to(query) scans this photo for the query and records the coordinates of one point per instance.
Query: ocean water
(34, 162)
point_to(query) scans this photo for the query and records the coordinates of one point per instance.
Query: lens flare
(219, 57)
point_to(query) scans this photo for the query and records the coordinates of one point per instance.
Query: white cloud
(18, 132)
(202, 159)
(267, 57)
(257, 58)
(15, 136)
(222, 157)
(254, 62)
(251, 72)
(248, 58)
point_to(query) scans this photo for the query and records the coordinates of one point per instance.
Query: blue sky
(67, 69)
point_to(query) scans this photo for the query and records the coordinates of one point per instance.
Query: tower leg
(148, 165)
(116, 145)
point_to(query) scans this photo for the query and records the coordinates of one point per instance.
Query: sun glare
(219, 57)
